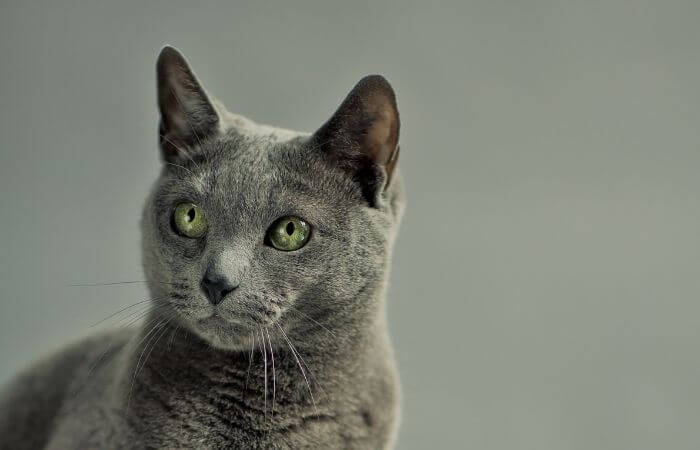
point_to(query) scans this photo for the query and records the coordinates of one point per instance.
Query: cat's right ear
(362, 137)
(186, 115)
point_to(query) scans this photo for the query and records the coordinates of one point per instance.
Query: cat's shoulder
(29, 402)
(72, 357)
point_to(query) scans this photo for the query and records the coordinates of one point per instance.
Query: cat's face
(250, 229)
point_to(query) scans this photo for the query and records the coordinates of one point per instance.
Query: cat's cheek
(179, 246)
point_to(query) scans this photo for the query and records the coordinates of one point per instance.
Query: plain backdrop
(545, 287)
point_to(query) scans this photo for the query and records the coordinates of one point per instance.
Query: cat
(266, 253)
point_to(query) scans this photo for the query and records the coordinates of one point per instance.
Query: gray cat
(266, 254)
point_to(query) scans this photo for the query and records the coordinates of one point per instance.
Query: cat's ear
(363, 134)
(186, 114)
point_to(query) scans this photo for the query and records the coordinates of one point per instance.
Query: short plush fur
(297, 355)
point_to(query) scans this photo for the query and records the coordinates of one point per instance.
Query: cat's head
(251, 227)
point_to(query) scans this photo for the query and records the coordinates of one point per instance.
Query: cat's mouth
(245, 319)
(216, 320)
(222, 332)
(233, 319)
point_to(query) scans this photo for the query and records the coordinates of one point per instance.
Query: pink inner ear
(381, 139)
(363, 133)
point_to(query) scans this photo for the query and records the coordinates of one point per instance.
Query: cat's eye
(289, 233)
(189, 221)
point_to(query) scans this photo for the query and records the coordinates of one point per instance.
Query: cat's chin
(224, 334)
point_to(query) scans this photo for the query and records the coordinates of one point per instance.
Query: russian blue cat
(266, 254)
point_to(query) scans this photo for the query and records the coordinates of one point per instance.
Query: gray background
(545, 285)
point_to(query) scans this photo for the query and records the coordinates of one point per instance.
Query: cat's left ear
(186, 115)
(363, 135)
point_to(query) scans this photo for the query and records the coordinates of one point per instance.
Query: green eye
(289, 233)
(189, 220)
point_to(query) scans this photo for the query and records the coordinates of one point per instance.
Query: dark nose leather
(217, 287)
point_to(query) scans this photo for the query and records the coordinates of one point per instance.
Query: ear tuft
(186, 114)
(363, 134)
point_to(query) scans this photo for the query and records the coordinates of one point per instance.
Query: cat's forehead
(248, 177)
(236, 162)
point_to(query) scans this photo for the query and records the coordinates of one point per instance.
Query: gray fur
(196, 385)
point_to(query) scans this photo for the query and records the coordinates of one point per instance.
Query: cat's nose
(217, 287)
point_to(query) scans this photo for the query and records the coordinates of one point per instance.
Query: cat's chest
(172, 409)
(241, 412)
(232, 428)
(213, 421)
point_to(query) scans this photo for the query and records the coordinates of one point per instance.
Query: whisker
(111, 342)
(322, 144)
(303, 373)
(133, 380)
(312, 319)
(140, 313)
(196, 182)
(182, 150)
(164, 329)
(124, 309)
(113, 283)
(264, 350)
(172, 337)
(313, 377)
(274, 376)
(135, 317)
(182, 167)
(93, 366)
(250, 358)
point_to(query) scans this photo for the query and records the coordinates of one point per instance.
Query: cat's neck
(285, 367)
(175, 346)
(271, 390)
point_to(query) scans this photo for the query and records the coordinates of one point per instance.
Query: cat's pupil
(290, 228)
(190, 215)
